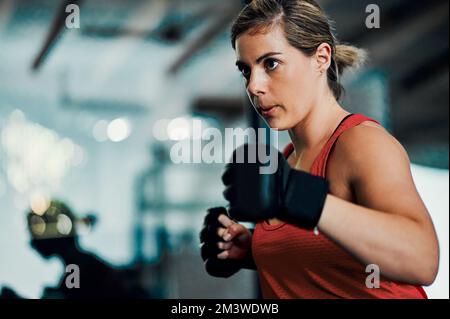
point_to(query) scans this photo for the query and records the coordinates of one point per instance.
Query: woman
(370, 212)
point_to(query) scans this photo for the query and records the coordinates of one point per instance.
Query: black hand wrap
(287, 194)
(304, 198)
(209, 238)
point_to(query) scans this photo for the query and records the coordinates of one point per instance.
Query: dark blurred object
(54, 33)
(8, 293)
(54, 233)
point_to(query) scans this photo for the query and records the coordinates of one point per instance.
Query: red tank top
(296, 263)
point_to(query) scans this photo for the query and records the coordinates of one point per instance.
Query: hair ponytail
(349, 57)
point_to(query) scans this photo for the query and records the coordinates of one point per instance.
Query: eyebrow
(258, 60)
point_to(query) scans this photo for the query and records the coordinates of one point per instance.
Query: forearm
(403, 248)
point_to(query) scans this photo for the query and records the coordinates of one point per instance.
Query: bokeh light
(119, 129)
(63, 224)
(39, 203)
(99, 131)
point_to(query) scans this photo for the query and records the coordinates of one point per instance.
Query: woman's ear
(323, 57)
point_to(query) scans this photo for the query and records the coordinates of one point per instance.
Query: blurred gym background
(84, 117)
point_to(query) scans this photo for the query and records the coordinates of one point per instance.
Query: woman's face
(281, 81)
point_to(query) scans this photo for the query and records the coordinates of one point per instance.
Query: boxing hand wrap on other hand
(278, 191)
(209, 250)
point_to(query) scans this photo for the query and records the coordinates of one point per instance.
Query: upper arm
(378, 170)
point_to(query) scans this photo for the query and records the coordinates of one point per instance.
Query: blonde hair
(306, 27)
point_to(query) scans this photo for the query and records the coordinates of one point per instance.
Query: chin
(276, 124)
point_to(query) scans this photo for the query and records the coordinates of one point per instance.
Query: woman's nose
(256, 85)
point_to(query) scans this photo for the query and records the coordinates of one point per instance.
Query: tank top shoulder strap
(319, 165)
(288, 150)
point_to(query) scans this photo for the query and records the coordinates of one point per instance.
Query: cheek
(302, 86)
(294, 89)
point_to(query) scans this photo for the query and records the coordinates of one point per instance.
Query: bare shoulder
(377, 169)
(369, 147)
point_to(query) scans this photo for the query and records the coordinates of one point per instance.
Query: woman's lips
(268, 111)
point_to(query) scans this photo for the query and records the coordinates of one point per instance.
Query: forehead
(254, 42)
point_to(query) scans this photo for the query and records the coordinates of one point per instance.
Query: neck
(318, 125)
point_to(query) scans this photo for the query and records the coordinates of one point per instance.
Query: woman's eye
(245, 71)
(271, 64)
